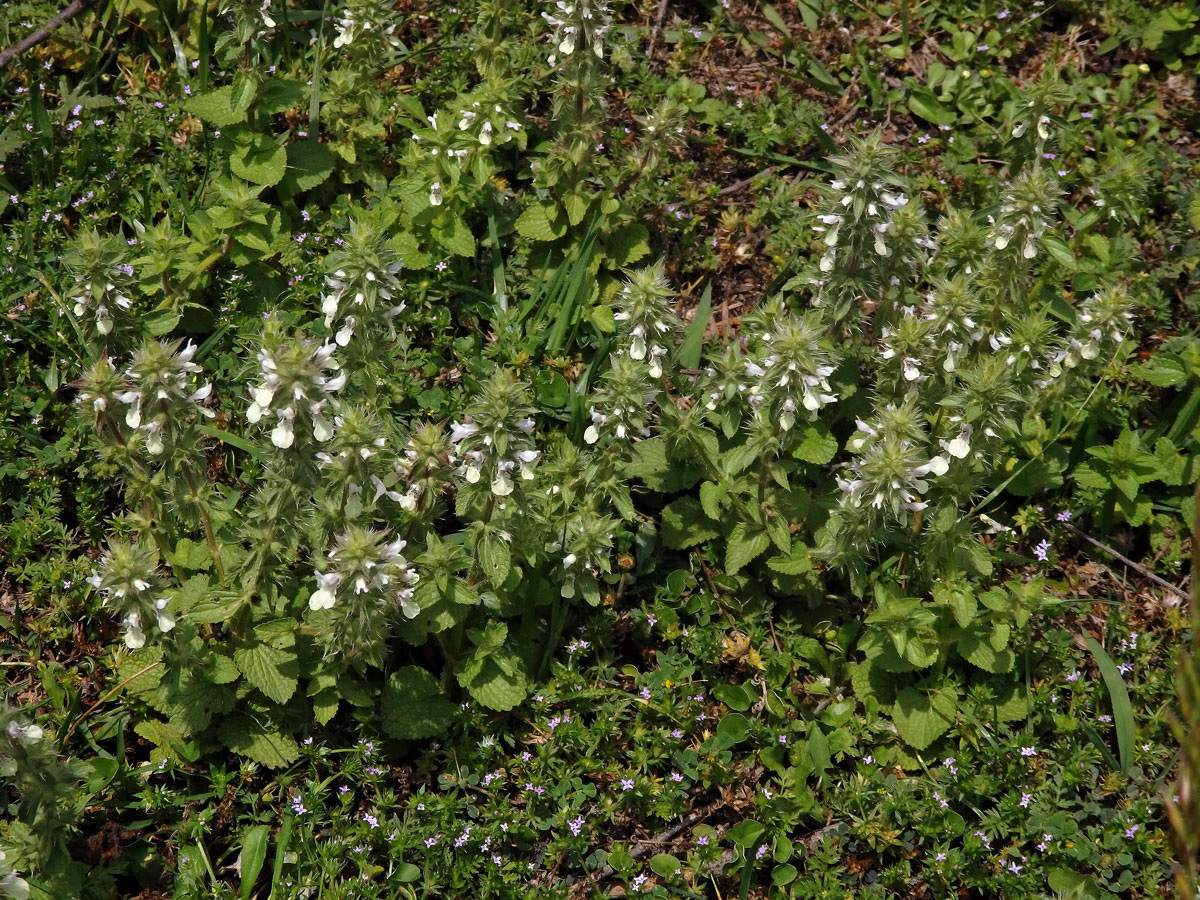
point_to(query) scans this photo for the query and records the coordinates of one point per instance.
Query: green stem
(209, 534)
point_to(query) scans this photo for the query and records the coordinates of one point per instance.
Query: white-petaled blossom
(163, 392)
(648, 324)
(367, 27)
(1025, 212)
(363, 585)
(494, 440)
(578, 25)
(362, 289)
(789, 365)
(102, 282)
(12, 885)
(294, 387)
(622, 406)
(1102, 322)
(129, 581)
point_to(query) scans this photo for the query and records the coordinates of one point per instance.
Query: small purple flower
(1064, 516)
(442, 266)
(676, 777)
(1041, 549)
(702, 841)
(1028, 751)
(371, 820)
(941, 857)
(627, 784)
(762, 851)
(431, 841)
(298, 805)
(1025, 800)
(1132, 830)
(783, 739)
(644, 693)
(677, 734)
(948, 762)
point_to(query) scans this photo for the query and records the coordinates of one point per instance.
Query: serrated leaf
(279, 94)
(626, 245)
(454, 235)
(797, 562)
(216, 107)
(921, 718)
(576, 206)
(684, 524)
(977, 649)
(325, 706)
(744, 545)
(960, 598)
(817, 446)
(536, 223)
(711, 495)
(133, 663)
(309, 163)
(271, 670)
(262, 162)
(191, 555)
(413, 706)
(269, 748)
(494, 557)
(496, 681)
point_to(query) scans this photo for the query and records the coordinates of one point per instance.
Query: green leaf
(495, 681)
(540, 222)
(924, 104)
(406, 873)
(734, 727)
(783, 875)
(261, 162)
(269, 748)
(960, 598)
(711, 495)
(627, 244)
(664, 865)
(576, 206)
(280, 94)
(817, 446)
(272, 671)
(684, 524)
(1164, 369)
(494, 557)
(978, 650)
(797, 562)
(922, 717)
(189, 554)
(1059, 251)
(252, 857)
(744, 545)
(309, 163)
(688, 354)
(1119, 696)
(732, 695)
(216, 107)
(159, 322)
(325, 706)
(746, 833)
(413, 706)
(453, 234)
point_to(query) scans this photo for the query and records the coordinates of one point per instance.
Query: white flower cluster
(791, 368)
(623, 403)
(1102, 318)
(362, 566)
(872, 203)
(294, 389)
(1025, 212)
(577, 24)
(486, 452)
(487, 127)
(86, 293)
(128, 578)
(372, 20)
(648, 322)
(161, 392)
(361, 289)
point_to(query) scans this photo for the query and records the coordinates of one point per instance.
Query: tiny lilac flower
(1025, 800)
(627, 784)
(676, 777)
(1028, 751)
(1041, 550)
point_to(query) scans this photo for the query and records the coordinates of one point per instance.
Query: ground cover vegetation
(599, 449)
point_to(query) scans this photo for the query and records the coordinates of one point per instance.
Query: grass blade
(254, 854)
(1121, 707)
(688, 356)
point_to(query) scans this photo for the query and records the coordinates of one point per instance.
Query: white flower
(323, 597)
(435, 194)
